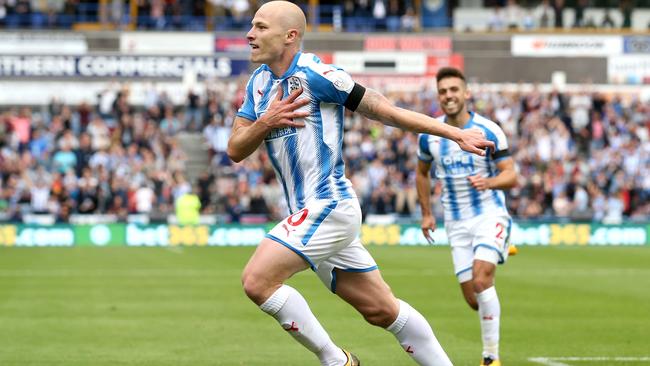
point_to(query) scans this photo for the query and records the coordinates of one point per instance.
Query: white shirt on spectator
(40, 195)
(217, 137)
(144, 197)
(580, 105)
(544, 144)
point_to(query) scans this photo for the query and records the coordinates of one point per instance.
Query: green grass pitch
(185, 307)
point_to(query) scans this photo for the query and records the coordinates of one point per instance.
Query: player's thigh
(462, 253)
(320, 230)
(490, 238)
(369, 294)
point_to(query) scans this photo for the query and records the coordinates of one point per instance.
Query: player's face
(266, 38)
(452, 94)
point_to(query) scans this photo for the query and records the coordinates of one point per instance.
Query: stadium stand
(582, 154)
(348, 15)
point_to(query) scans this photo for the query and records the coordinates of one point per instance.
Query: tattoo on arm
(370, 105)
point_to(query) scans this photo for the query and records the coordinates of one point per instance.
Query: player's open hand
(479, 183)
(284, 112)
(428, 227)
(473, 140)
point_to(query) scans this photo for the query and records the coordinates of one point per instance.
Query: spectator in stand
(188, 208)
(544, 13)
(602, 144)
(64, 159)
(580, 7)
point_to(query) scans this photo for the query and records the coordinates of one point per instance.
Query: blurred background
(111, 112)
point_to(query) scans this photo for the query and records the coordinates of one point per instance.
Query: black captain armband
(354, 99)
(501, 154)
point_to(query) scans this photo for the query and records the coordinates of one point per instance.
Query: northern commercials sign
(165, 67)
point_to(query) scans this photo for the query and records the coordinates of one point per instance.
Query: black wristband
(501, 154)
(354, 99)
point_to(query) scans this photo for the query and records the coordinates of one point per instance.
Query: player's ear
(292, 35)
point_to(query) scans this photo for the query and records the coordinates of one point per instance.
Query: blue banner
(434, 14)
(636, 44)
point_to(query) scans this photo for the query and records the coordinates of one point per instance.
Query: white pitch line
(556, 361)
(546, 361)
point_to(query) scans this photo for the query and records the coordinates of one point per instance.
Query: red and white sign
(167, 43)
(231, 44)
(566, 46)
(435, 63)
(428, 44)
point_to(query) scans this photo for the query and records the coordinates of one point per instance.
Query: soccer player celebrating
(294, 105)
(476, 218)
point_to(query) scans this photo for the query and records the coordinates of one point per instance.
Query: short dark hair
(449, 72)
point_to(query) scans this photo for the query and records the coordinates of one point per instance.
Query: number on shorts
(297, 218)
(501, 230)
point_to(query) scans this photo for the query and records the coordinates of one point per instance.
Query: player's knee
(254, 287)
(482, 283)
(378, 315)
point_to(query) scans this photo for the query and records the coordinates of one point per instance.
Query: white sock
(489, 311)
(416, 337)
(290, 309)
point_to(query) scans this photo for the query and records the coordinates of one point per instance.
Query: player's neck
(283, 63)
(459, 120)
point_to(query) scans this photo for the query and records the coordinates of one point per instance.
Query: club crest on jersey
(294, 84)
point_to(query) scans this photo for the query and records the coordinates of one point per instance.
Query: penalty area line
(560, 361)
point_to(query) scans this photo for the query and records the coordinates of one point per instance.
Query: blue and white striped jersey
(452, 167)
(308, 161)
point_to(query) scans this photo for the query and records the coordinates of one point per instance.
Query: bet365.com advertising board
(539, 234)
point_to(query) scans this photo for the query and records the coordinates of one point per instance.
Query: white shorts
(484, 237)
(326, 235)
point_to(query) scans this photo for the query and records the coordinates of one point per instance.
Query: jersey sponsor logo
(458, 163)
(276, 133)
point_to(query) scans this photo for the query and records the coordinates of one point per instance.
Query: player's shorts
(484, 237)
(326, 235)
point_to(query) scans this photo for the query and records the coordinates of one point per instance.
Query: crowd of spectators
(580, 155)
(545, 14)
(348, 15)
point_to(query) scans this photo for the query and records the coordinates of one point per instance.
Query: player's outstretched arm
(375, 106)
(247, 135)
